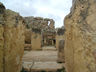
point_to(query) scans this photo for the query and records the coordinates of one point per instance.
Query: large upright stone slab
(36, 39)
(60, 44)
(11, 40)
(80, 37)
(28, 36)
(61, 52)
(59, 36)
(2, 11)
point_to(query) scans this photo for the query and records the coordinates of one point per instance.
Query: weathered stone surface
(11, 40)
(1, 47)
(80, 37)
(40, 23)
(61, 51)
(49, 38)
(2, 11)
(39, 61)
(59, 36)
(36, 39)
(60, 44)
(43, 27)
(27, 47)
(51, 25)
(28, 33)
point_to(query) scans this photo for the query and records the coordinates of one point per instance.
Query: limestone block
(11, 40)
(59, 36)
(61, 51)
(36, 39)
(40, 23)
(27, 47)
(80, 37)
(2, 11)
(28, 34)
(1, 47)
(60, 44)
(51, 25)
(44, 24)
(38, 18)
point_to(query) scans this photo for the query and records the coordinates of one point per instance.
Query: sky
(54, 9)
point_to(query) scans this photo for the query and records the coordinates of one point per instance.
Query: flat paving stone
(42, 56)
(40, 61)
(28, 65)
(42, 66)
(49, 48)
(46, 65)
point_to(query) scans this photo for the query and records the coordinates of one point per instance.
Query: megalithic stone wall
(11, 40)
(80, 37)
(36, 39)
(2, 10)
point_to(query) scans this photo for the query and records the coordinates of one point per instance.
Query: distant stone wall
(45, 25)
(80, 37)
(11, 40)
(39, 22)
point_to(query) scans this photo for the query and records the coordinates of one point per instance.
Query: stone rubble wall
(52, 22)
(45, 25)
(80, 37)
(11, 40)
(39, 22)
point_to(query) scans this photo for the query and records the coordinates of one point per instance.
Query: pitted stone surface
(80, 37)
(44, 24)
(11, 40)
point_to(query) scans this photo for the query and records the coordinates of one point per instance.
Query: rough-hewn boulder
(80, 37)
(11, 40)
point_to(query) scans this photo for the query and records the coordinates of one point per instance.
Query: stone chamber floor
(42, 61)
